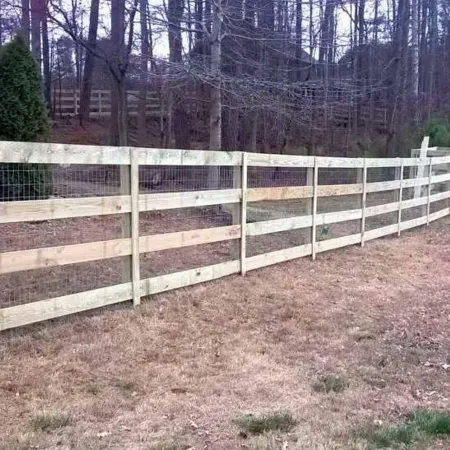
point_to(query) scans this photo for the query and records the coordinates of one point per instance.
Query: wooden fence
(66, 103)
(358, 179)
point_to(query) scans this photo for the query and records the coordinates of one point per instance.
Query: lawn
(345, 352)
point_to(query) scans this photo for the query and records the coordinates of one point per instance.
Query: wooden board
(180, 239)
(278, 193)
(37, 210)
(379, 232)
(363, 174)
(174, 200)
(32, 152)
(266, 160)
(178, 280)
(314, 208)
(340, 189)
(439, 214)
(169, 157)
(276, 225)
(60, 208)
(421, 168)
(339, 163)
(16, 316)
(267, 259)
(135, 241)
(383, 186)
(331, 244)
(36, 152)
(243, 246)
(93, 251)
(62, 255)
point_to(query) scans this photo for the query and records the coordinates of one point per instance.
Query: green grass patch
(420, 426)
(276, 421)
(331, 383)
(48, 421)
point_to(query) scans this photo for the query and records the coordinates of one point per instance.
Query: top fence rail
(66, 154)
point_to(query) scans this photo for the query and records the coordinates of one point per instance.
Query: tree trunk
(142, 101)
(434, 40)
(89, 63)
(198, 19)
(118, 126)
(215, 113)
(46, 64)
(299, 39)
(423, 60)
(177, 103)
(415, 58)
(36, 33)
(25, 21)
(360, 65)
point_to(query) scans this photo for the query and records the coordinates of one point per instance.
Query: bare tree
(36, 16)
(89, 63)
(143, 85)
(25, 21)
(46, 61)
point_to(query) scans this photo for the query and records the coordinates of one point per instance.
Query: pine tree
(23, 117)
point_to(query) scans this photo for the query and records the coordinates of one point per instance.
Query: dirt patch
(178, 371)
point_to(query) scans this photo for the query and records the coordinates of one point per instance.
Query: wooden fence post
(125, 189)
(363, 201)
(135, 253)
(309, 182)
(421, 168)
(99, 94)
(244, 173)
(400, 199)
(430, 175)
(314, 208)
(447, 185)
(398, 176)
(236, 208)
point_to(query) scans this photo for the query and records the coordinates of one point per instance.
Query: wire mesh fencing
(199, 216)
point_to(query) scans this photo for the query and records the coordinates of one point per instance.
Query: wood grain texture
(243, 252)
(267, 259)
(178, 280)
(16, 316)
(331, 244)
(93, 251)
(278, 193)
(135, 241)
(62, 208)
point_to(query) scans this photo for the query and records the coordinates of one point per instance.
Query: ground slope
(177, 372)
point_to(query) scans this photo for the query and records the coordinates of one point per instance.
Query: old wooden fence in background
(108, 235)
(66, 102)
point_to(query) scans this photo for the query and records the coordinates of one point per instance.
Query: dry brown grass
(177, 373)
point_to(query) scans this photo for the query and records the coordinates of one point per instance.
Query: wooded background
(279, 76)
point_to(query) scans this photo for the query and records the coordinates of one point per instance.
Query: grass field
(332, 354)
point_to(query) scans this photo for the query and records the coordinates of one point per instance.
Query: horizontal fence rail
(273, 207)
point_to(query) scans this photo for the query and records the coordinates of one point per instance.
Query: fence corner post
(430, 177)
(421, 168)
